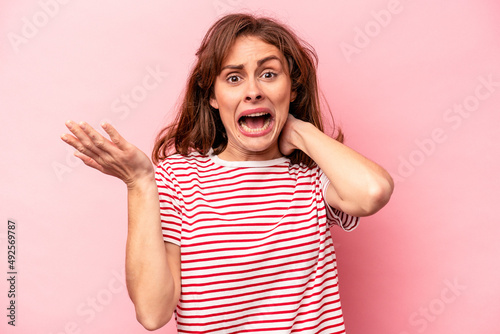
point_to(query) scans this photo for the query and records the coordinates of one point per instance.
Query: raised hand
(115, 157)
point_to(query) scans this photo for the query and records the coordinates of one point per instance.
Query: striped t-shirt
(256, 250)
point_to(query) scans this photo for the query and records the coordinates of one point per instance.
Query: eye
(233, 78)
(268, 75)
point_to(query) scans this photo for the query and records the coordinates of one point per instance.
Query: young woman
(231, 232)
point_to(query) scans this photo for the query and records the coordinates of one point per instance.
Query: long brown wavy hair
(198, 126)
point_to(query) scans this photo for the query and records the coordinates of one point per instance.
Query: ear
(213, 103)
(293, 96)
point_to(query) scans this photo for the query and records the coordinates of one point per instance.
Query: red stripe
(260, 268)
(260, 306)
(246, 263)
(270, 321)
(235, 280)
(267, 234)
(247, 211)
(278, 249)
(256, 217)
(307, 286)
(202, 202)
(246, 196)
(240, 248)
(328, 271)
(247, 248)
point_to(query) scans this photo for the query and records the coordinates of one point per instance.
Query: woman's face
(253, 95)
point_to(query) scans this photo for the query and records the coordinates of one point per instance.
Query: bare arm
(358, 186)
(152, 266)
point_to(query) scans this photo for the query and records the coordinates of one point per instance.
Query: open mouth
(255, 123)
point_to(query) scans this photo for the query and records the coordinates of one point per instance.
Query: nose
(253, 92)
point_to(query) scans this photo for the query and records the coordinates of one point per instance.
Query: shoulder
(189, 166)
(175, 161)
(303, 169)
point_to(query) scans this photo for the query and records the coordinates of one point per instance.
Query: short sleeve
(170, 212)
(333, 215)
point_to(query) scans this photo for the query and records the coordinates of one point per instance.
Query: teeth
(267, 122)
(257, 114)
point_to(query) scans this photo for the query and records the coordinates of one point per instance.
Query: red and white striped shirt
(256, 249)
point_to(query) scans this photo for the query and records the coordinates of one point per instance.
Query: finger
(71, 140)
(68, 139)
(115, 137)
(89, 161)
(97, 139)
(74, 128)
(80, 141)
(75, 143)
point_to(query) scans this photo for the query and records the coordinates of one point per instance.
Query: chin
(266, 148)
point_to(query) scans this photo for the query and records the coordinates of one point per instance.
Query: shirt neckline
(246, 163)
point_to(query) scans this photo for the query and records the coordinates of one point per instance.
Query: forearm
(152, 267)
(150, 278)
(360, 186)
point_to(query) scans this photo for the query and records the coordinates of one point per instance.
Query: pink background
(407, 81)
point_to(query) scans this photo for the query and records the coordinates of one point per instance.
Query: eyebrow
(259, 63)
